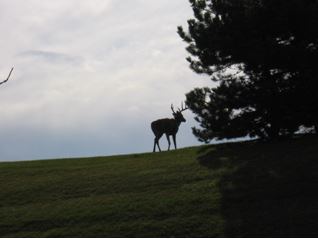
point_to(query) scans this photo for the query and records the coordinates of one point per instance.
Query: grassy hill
(229, 190)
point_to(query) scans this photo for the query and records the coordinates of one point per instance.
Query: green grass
(230, 190)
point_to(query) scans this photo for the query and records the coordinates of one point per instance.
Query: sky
(90, 76)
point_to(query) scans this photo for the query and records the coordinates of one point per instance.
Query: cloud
(51, 57)
(90, 76)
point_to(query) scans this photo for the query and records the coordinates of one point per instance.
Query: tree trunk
(273, 132)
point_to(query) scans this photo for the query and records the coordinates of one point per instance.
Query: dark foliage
(263, 55)
(270, 189)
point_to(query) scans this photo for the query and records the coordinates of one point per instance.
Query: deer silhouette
(168, 127)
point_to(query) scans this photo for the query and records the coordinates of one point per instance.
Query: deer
(7, 77)
(168, 127)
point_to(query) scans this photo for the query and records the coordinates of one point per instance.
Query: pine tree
(264, 56)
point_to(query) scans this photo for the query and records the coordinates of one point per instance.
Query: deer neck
(178, 122)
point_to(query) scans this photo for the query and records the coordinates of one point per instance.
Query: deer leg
(168, 141)
(174, 141)
(154, 145)
(157, 143)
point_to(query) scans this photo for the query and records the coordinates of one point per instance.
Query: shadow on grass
(268, 189)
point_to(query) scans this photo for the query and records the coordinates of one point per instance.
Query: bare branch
(7, 77)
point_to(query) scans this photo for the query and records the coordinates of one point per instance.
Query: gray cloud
(90, 76)
(51, 57)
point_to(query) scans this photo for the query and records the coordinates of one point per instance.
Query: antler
(7, 77)
(179, 110)
(172, 108)
(183, 109)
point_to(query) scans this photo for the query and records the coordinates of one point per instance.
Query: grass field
(248, 189)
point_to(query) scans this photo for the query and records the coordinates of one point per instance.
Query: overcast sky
(90, 76)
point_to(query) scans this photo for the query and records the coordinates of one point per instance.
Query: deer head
(178, 115)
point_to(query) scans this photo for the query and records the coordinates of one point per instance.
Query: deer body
(169, 127)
